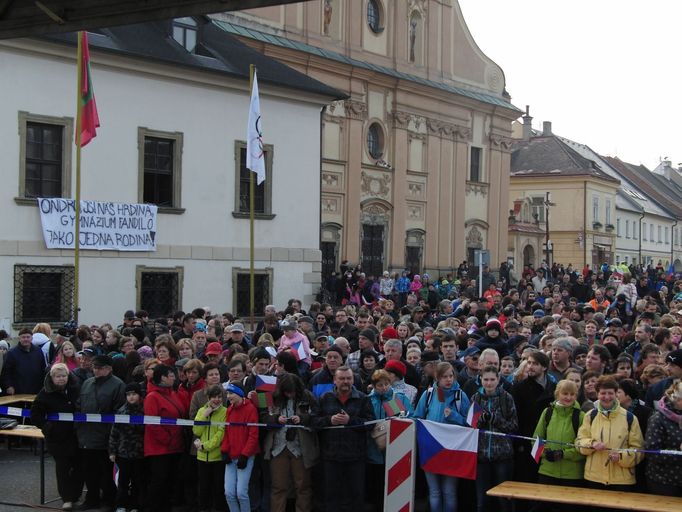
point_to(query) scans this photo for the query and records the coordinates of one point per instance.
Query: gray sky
(607, 73)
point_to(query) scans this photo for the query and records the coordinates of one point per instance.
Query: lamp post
(548, 244)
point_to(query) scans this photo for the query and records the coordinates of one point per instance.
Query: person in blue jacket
(445, 402)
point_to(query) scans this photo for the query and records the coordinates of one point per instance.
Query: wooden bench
(30, 432)
(582, 496)
(13, 399)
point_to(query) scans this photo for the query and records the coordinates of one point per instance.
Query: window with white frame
(644, 231)
(595, 208)
(608, 212)
(634, 230)
(659, 230)
(627, 229)
(618, 227)
(537, 205)
(667, 235)
(651, 232)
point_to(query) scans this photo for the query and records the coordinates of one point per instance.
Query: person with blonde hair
(67, 355)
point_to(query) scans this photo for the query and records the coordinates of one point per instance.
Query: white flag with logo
(255, 157)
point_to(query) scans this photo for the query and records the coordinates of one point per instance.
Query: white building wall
(211, 112)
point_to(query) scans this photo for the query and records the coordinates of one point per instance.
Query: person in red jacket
(193, 370)
(239, 446)
(163, 444)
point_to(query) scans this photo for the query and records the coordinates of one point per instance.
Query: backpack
(575, 418)
(629, 415)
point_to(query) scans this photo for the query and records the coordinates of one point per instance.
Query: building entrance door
(373, 249)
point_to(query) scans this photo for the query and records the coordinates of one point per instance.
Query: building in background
(173, 100)
(415, 163)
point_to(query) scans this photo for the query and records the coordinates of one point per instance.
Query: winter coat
(498, 344)
(199, 399)
(23, 370)
(402, 285)
(163, 439)
(60, 436)
(612, 430)
(99, 395)
(211, 436)
(286, 343)
(664, 433)
(343, 444)
(241, 440)
(127, 440)
(185, 392)
(560, 428)
(433, 402)
(310, 449)
(374, 455)
(503, 418)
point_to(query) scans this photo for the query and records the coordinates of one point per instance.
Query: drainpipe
(319, 236)
(585, 223)
(640, 235)
(672, 244)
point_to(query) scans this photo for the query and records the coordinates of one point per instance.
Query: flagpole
(252, 207)
(76, 253)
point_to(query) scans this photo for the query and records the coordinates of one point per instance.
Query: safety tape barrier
(158, 420)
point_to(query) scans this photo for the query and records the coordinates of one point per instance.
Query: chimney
(667, 168)
(527, 125)
(547, 128)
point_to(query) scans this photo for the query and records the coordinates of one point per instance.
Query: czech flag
(448, 450)
(266, 383)
(115, 474)
(538, 448)
(474, 414)
(299, 351)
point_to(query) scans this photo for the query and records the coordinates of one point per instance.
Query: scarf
(666, 410)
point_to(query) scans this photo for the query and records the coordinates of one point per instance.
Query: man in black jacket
(343, 449)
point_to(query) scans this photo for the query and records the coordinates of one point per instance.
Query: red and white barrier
(400, 466)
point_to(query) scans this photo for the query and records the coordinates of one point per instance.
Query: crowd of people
(587, 360)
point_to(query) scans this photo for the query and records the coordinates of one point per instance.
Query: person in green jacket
(561, 463)
(210, 466)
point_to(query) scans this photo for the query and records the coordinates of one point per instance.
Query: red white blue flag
(266, 383)
(538, 448)
(447, 449)
(115, 474)
(474, 414)
(299, 351)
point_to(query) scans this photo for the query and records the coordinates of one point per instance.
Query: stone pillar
(433, 206)
(445, 199)
(459, 184)
(356, 112)
(498, 198)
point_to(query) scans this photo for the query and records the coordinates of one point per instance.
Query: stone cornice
(501, 142)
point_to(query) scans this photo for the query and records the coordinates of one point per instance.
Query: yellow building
(415, 163)
(579, 213)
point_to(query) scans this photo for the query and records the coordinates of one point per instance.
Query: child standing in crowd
(210, 466)
(444, 403)
(240, 444)
(126, 450)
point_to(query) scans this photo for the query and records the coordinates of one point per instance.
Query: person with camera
(292, 451)
(495, 453)
(561, 463)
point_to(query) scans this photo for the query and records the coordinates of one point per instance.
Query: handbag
(378, 433)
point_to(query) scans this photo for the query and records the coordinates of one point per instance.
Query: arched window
(374, 16)
(375, 141)
(415, 37)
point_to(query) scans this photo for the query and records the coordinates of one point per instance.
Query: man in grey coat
(102, 394)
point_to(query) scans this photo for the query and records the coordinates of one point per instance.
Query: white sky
(606, 73)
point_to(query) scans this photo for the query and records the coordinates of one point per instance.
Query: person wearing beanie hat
(389, 334)
(560, 360)
(366, 340)
(673, 366)
(126, 449)
(493, 338)
(239, 447)
(580, 355)
(397, 371)
(298, 344)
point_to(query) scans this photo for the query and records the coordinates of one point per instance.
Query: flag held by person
(87, 107)
(474, 414)
(538, 448)
(448, 450)
(255, 155)
(266, 383)
(299, 351)
(393, 407)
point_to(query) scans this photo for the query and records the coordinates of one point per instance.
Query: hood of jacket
(51, 388)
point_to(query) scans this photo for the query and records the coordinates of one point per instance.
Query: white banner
(104, 226)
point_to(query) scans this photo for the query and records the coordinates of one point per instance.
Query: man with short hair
(343, 450)
(189, 322)
(471, 357)
(323, 380)
(598, 358)
(23, 371)
(562, 350)
(346, 329)
(393, 351)
(366, 340)
(591, 329)
(102, 394)
(237, 336)
(531, 396)
(643, 334)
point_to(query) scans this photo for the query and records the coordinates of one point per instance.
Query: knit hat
(289, 324)
(133, 387)
(369, 334)
(145, 352)
(102, 361)
(538, 313)
(389, 333)
(429, 356)
(306, 319)
(674, 357)
(4, 344)
(236, 388)
(471, 351)
(180, 363)
(237, 327)
(214, 349)
(494, 324)
(398, 368)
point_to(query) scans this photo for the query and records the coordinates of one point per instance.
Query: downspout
(672, 245)
(584, 223)
(319, 202)
(640, 236)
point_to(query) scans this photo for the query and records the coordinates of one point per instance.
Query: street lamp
(548, 244)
